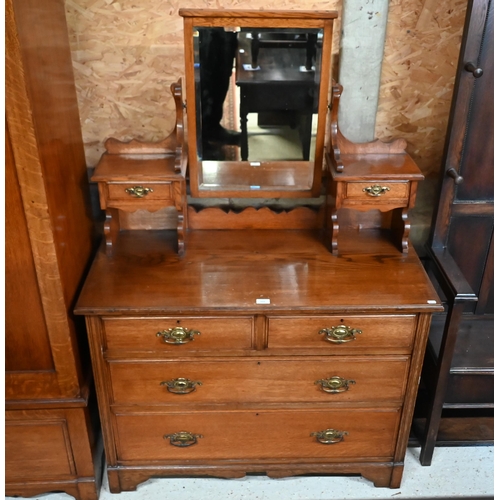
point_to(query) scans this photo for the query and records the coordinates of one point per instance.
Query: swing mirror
(257, 98)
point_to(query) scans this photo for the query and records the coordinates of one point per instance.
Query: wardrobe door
(51, 431)
(49, 232)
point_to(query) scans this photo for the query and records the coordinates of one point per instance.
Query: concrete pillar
(361, 53)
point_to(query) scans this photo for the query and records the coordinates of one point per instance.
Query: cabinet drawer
(198, 333)
(38, 449)
(118, 191)
(396, 191)
(377, 332)
(258, 434)
(365, 379)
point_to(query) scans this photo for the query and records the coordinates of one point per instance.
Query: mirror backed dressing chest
(284, 339)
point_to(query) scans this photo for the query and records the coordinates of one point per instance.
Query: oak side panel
(26, 337)
(417, 359)
(42, 117)
(103, 387)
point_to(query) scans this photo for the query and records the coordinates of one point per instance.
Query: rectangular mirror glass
(256, 102)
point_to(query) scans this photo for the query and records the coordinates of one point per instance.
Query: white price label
(262, 301)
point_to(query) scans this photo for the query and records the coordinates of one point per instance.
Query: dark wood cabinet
(51, 436)
(458, 370)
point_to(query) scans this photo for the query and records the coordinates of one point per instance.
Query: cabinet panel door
(38, 449)
(469, 244)
(476, 163)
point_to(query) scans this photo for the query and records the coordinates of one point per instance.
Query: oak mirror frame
(257, 85)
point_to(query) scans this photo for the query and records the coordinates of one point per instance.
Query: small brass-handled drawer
(378, 193)
(329, 436)
(340, 334)
(381, 333)
(140, 334)
(177, 335)
(181, 385)
(134, 193)
(183, 439)
(334, 384)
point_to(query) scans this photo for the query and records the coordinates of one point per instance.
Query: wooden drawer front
(37, 449)
(258, 434)
(397, 191)
(377, 332)
(216, 334)
(261, 380)
(117, 192)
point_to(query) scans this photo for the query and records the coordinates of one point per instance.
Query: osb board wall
(127, 52)
(418, 74)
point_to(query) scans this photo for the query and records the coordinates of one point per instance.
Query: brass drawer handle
(180, 385)
(340, 334)
(329, 436)
(177, 335)
(334, 384)
(138, 191)
(376, 190)
(182, 439)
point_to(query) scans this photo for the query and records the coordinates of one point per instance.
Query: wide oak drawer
(178, 335)
(320, 379)
(338, 334)
(260, 434)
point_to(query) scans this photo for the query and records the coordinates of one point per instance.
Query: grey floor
(456, 472)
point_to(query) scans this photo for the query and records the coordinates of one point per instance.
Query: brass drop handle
(177, 335)
(472, 68)
(329, 436)
(376, 190)
(457, 178)
(340, 334)
(334, 385)
(138, 191)
(180, 385)
(182, 439)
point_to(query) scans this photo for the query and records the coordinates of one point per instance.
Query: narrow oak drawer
(177, 335)
(150, 191)
(361, 191)
(258, 434)
(315, 379)
(339, 334)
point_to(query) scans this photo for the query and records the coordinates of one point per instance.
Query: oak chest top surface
(257, 271)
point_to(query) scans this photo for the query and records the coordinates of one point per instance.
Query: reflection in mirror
(257, 93)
